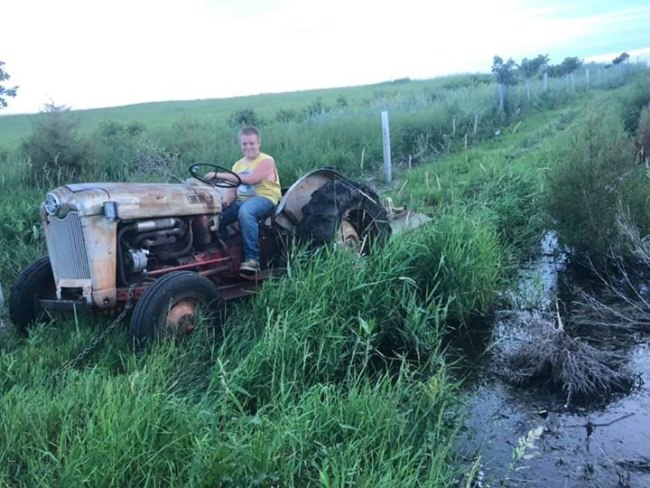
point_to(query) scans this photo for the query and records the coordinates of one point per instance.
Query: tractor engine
(149, 244)
(102, 236)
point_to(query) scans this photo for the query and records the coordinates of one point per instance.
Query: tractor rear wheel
(36, 281)
(344, 213)
(175, 306)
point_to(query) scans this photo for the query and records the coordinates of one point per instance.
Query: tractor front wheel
(175, 306)
(36, 281)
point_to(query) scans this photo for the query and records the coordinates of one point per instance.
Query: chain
(98, 339)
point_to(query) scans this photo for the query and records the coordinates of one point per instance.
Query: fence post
(385, 133)
(545, 81)
(2, 304)
(587, 77)
(501, 89)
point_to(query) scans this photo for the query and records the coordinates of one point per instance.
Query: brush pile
(539, 352)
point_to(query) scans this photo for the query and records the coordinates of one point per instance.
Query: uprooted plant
(543, 354)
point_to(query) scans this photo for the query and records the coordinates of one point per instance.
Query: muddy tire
(175, 306)
(342, 212)
(36, 281)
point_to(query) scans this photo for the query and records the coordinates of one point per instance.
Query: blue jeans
(248, 213)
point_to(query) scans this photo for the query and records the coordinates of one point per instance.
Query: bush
(244, 117)
(341, 102)
(594, 175)
(643, 135)
(56, 151)
(285, 115)
(634, 98)
(115, 144)
(316, 108)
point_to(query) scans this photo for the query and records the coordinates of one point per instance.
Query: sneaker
(250, 266)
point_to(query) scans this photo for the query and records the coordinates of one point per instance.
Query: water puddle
(528, 437)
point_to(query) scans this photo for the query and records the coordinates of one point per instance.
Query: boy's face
(250, 145)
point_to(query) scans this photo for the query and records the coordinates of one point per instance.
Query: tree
(506, 74)
(530, 67)
(566, 67)
(621, 58)
(570, 65)
(5, 91)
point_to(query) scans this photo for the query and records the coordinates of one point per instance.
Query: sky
(102, 53)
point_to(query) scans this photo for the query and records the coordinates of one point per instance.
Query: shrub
(285, 115)
(643, 135)
(115, 145)
(593, 175)
(634, 98)
(244, 117)
(56, 151)
(316, 108)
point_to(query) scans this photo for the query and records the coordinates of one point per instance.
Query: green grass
(302, 395)
(333, 375)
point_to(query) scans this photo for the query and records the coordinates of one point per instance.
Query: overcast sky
(99, 53)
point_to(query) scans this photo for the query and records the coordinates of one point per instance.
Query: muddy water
(532, 438)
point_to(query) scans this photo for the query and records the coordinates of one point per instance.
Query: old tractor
(158, 247)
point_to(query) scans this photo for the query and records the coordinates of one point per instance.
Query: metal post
(385, 132)
(2, 304)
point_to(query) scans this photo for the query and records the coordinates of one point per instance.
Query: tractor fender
(288, 213)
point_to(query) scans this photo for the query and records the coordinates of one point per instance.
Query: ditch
(531, 436)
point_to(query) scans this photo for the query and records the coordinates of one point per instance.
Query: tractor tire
(36, 281)
(347, 213)
(175, 306)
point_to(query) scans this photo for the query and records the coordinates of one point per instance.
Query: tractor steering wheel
(218, 182)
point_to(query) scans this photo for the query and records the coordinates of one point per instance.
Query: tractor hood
(132, 200)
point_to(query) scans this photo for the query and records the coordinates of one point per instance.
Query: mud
(529, 438)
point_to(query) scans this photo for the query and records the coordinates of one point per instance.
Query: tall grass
(329, 379)
(325, 367)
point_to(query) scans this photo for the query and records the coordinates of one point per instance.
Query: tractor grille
(66, 247)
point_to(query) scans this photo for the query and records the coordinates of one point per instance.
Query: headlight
(52, 204)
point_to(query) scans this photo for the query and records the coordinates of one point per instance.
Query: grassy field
(333, 375)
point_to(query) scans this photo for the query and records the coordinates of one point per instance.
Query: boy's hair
(250, 130)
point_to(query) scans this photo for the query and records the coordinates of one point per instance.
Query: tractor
(159, 248)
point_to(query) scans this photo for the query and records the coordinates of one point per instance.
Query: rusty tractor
(158, 247)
